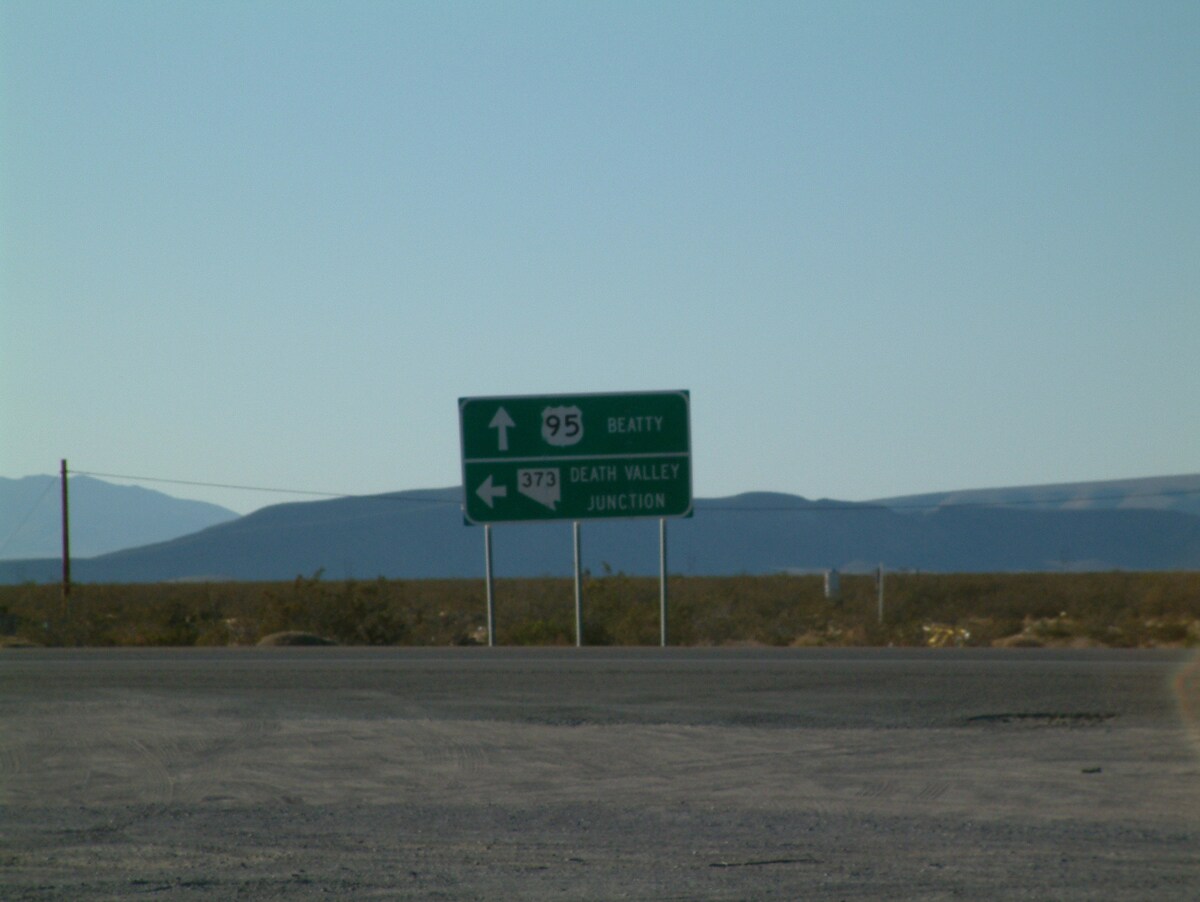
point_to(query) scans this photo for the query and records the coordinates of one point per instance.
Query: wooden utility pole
(66, 542)
(879, 587)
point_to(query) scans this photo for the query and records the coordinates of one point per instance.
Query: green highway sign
(576, 457)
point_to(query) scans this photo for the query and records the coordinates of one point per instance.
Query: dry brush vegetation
(1104, 609)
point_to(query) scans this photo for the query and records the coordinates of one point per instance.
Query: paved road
(599, 773)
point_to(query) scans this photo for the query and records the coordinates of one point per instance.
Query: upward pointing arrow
(502, 422)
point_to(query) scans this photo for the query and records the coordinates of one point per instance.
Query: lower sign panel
(579, 489)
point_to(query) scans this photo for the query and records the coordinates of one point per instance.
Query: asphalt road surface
(599, 774)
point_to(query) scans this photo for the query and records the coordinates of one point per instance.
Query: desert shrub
(1116, 609)
(540, 632)
(348, 612)
(8, 621)
(621, 610)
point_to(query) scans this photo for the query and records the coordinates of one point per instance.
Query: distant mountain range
(104, 517)
(1145, 524)
(1165, 493)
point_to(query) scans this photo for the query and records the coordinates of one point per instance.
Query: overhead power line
(842, 506)
(29, 513)
(421, 499)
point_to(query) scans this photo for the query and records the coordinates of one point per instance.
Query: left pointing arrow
(489, 492)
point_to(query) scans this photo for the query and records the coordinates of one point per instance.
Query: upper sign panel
(576, 457)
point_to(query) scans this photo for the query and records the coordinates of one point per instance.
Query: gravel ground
(599, 774)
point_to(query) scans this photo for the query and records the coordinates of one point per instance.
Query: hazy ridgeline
(1111, 609)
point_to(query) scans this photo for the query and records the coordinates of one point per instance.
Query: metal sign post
(662, 582)
(491, 596)
(578, 586)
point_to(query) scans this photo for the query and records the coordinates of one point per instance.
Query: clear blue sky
(889, 247)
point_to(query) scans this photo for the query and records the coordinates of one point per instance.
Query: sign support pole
(578, 587)
(662, 581)
(491, 596)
